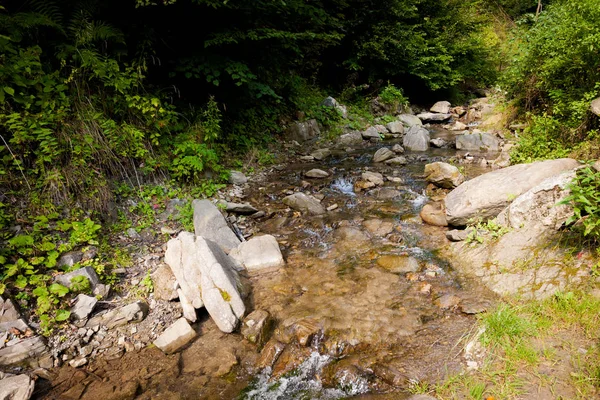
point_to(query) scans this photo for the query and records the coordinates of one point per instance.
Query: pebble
(332, 207)
(78, 362)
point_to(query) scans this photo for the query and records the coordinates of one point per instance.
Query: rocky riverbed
(323, 281)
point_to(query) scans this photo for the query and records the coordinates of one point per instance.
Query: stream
(366, 306)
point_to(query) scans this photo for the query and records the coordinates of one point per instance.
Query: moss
(226, 296)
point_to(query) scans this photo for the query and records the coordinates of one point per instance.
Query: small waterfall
(418, 200)
(344, 186)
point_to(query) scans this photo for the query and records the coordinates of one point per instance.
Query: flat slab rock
(260, 252)
(175, 337)
(133, 312)
(16, 387)
(8, 311)
(304, 203)
(210, 224)
(23, 352)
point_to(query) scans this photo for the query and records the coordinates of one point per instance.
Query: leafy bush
(393, 96)
(585, 200)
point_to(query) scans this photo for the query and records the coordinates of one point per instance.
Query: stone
(502, 161)
(459, 111)
(438, 143)
(83, 307)
(433, 214)
(447, 301)
(378, 227)
(459, 126)
(385, 193)
(316, 173)
(487, 195)
(333, 103)
(595, 106)
(69, 259)
(24, 352)
(18, 324)
(78, 362)
(350, 139)
(441, 107)
(87, 272)
(416, 139)
(8, 311)
(133, 234)
(237, 178)
(239, 208)
(362, 185)
(395, 127)
(477, 142)
(134, 312)
(382, 154)
(421, 397)
(16, 387)
(187, 308)
(258, 253)
(457, 235)
(410, 120)
(371, 133)
(398, 264)
(443, 175)
(321, 154)
(165, 284)
(210, 224)
(175, 337)
(539, 205)
(256, 327)
(332, 207)
(375, 177)
(304, 203)
(181, 257)
(434, 117)
(398, 149)
(220, 285)
(397, 161)
(303, 131)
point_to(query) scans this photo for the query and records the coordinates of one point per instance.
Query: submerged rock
(304, 203)
(210, 224)
(398, 264)
(175, 337)
(488, 194)
(260, 252)
(397, 161)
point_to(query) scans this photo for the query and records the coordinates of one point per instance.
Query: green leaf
(40, 291)
(21, 282)
(62, 315)
(9, 90)
(58, 289)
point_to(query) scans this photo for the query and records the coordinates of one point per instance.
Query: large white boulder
(488, 194)
(260, 252)
(416, 139)
(210, 224)
(442, 107)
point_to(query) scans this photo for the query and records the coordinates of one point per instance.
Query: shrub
(585, 200)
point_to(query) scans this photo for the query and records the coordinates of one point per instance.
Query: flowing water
(364, 307)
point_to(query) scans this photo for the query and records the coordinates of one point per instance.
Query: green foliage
(505, 327)
(393, 96)
(540, 141)
(585, 200)
(485, 230)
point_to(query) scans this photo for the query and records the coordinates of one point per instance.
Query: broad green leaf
(58, 289)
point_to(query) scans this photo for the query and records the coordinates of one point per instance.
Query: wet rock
(256, 327)
(488, 194)
(472, 307)
(434, 117)
(457, 235)
(332, 207)
(270, 353)
(134, 312)
(239, 208)
(379, 227)
(260, 252)
(8, 311)
(16, 387)
(87, 272)
(164, 283)
(210, 224)
(303, 131)
(447, 301)
(398, 264)
(395, 127)
(443, 175)
(398, 149)
(304, 203)
(442, 107)
(375, 177)
(438, 142)
(316, 173)
(303, 331)
(539, 204)
(69, 259)
(416, 139)
(189, 312)
(395, 179)
(175, 337)
(359, 186)
(458, 126)
(477, 142)
(410, 120)
(397, 161)
(25, 351)
(237, 178)
(385, 193)
(350, 139)
(371, 133)
(321, 154)
(382, 154)
(83, 307)
(434, 214)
